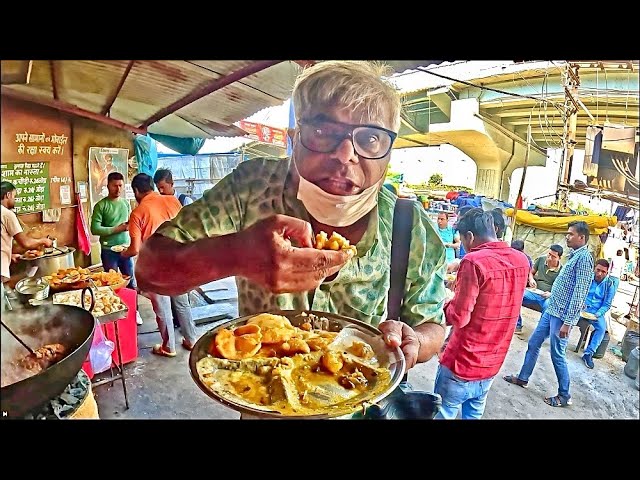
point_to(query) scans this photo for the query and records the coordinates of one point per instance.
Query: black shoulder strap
(400, 244)
(182, 198)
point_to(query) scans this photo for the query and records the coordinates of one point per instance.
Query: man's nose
(345, 152)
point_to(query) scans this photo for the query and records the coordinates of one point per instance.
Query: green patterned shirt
(260, 188)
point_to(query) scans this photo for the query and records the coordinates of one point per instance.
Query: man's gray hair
(355, 85)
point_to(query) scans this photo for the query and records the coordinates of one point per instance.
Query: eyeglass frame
(393, 135)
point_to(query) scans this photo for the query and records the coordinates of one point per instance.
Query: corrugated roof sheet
(153, 85)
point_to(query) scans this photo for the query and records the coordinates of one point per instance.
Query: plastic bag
(101, 350)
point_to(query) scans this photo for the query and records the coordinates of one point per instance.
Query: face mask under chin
(336, 210)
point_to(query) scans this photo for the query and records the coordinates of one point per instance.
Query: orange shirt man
(152, 211)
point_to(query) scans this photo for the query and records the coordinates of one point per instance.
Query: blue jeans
(471, 395)
(113, 260)
(600, 327)
(530, 299)
(548, 326)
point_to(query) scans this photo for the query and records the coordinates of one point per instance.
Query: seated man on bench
(597, 304)
(544, 272)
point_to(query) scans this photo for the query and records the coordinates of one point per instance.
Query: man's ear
(291, 132)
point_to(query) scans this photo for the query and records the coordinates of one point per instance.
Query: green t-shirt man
(545, 276)
(108, 213)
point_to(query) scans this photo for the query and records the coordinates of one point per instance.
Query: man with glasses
(259, 222)
(544, 272)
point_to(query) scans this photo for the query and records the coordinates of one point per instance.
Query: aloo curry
(269, 364)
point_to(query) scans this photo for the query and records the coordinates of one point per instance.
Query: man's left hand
(564, 331)
(399, 334)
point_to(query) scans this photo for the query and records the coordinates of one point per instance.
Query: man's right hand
(121, 228)
(267, 256)
(533, 283)
(46, 242)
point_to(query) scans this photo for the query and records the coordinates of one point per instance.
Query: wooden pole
(571, 83)
(524, 174)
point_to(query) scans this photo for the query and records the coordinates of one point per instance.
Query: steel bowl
(32, 291)
(329, 321)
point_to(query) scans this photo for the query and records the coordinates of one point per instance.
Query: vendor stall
(539, 232)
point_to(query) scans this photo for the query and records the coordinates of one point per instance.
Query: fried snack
(43, 357)
(106, 301)
(240, 343)
(68, 276)
(103, 279)
(334, 242)
(275, 328)
(31, 254)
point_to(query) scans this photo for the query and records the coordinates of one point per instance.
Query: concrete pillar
(488, 182)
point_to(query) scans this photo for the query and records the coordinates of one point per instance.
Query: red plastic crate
(127, 328)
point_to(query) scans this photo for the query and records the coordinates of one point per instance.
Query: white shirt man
(10, 227)
(617, 265)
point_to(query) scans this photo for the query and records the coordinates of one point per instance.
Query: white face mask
(336, 210)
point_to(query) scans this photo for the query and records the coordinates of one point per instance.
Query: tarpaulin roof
(598, 224)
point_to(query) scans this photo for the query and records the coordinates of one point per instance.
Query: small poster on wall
(65, 194)
(102, 162)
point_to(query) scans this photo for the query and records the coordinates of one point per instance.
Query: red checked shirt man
(483, 312)
(484, 309)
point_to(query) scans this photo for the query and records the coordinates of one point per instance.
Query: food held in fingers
(333, 242)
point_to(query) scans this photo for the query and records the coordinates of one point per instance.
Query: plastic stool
(585, 327)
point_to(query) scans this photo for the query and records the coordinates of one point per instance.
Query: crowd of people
(259, 222)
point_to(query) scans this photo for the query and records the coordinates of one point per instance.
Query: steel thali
(320, 320)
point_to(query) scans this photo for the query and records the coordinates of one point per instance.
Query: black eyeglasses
(369, 141)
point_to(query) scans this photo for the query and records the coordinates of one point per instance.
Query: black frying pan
(71, 326)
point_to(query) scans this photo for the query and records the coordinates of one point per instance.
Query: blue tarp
(479, 201)
(146, 154)
(185, 146)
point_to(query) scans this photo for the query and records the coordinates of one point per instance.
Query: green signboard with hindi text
(31, 180)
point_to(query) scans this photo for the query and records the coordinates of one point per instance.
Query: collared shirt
(153, 211)
(187, 199)
(484, 310)
(570, 288)
(448, 235)
(600, 296)
(616, 266)
(260, 188)
(10, 228)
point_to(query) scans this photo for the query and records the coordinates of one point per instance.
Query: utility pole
(571, 82)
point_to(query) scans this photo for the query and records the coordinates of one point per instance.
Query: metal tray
(326, 321)
(103, 319)
(53, 253)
